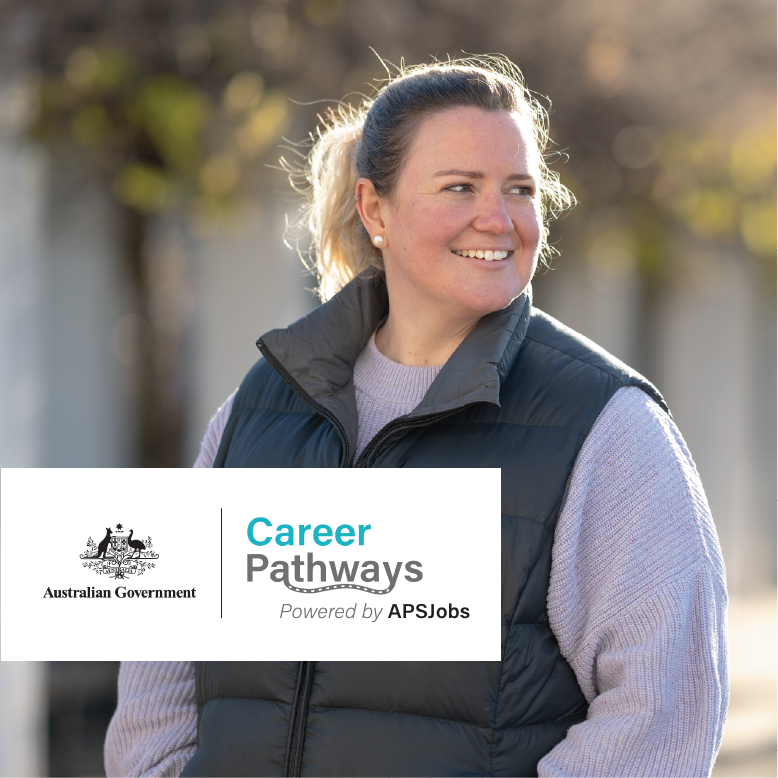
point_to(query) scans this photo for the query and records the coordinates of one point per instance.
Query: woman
(434, 200)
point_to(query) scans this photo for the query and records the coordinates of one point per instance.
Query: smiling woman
(429, 210)
(486, 213)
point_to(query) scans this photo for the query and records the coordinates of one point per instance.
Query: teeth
(489, 256)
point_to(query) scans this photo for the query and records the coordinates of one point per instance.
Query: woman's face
(470, 184)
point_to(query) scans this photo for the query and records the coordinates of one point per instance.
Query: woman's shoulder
(633, 426)
(573, 352)
(638, 440)
(561, 379)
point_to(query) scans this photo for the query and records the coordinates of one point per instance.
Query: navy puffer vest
(521, 393)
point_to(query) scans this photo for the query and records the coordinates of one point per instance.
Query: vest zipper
(419, 421)
(308, 400)
(300, 710)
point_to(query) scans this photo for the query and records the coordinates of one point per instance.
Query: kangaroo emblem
(103, 547)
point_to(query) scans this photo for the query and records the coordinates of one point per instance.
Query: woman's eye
(526, 191)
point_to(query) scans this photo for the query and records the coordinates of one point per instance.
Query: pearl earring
(378, 241)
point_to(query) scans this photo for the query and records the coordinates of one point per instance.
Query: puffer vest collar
(316, 355)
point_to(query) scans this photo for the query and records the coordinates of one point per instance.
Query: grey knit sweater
(637, 601)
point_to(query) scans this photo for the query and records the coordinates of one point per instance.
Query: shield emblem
(119, 546)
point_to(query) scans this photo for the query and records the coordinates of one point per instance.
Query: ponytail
(341, 248)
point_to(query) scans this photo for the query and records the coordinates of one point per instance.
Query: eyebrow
(479, 174)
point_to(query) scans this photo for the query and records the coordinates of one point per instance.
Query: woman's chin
(488, 299)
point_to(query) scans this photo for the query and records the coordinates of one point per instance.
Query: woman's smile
(490, 255)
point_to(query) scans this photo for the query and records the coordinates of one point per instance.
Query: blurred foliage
(161, 136)
(182, 105)
(721, 187)
(165, 139)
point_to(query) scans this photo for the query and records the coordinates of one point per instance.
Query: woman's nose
(493, 216)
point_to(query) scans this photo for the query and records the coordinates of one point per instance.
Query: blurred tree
(164, 105)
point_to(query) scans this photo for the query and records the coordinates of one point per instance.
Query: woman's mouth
(488, 254)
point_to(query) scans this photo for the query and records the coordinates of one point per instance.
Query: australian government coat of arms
(118, 556)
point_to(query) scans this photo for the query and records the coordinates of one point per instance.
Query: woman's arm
(154, 729)
(213, 435)
(638, 602)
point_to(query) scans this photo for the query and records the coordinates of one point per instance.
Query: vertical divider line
(221, 563)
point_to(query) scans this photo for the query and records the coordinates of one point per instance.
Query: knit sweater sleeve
(154, 729)
(213, 435)
(638, 602)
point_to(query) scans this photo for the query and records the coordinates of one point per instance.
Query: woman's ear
(370, 209)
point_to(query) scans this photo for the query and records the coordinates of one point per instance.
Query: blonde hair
(372, 141)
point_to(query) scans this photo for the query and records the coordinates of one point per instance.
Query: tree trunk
(157, 374)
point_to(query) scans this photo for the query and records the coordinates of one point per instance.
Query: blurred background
(142, 219)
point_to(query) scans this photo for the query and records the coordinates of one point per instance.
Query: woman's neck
(415, 341)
